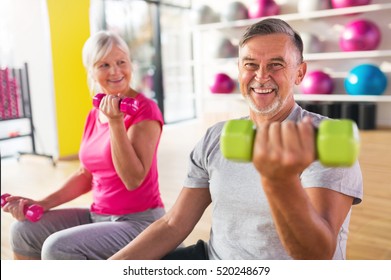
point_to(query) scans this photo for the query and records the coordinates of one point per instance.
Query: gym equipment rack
(15, 103)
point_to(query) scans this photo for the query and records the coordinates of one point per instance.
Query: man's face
(269, 68)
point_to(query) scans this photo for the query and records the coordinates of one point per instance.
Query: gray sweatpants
(77, 234)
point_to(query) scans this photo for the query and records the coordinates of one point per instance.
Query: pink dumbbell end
(33, 212)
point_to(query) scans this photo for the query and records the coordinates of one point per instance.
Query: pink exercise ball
(263, 8)
(317, 82)
(222, 83)
(348, 3)
(360, 35)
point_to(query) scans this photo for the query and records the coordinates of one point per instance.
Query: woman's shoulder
(145, 100)
(148, 109)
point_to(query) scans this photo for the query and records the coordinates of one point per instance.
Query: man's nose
(262, 74)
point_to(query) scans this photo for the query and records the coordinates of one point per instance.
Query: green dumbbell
(337, 141)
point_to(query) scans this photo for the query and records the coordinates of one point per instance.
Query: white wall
(25, 37)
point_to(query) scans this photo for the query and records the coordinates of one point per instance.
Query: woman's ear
(301, 73)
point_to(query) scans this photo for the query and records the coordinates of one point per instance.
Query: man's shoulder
(216, 128)
(299, 113)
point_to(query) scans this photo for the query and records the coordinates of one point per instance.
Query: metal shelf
(22, 76)
(16, 136)
(316, 97)
(343, 97)
(347, 55)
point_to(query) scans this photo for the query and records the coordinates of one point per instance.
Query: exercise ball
(147, 81)
(222, 83)
(311, 43)
(365, 79)
(360, 35)
(263, 8)
(335, 4)
(224, 48)
(203, 14)
(234, 11)
(305, 6)
(317, 82)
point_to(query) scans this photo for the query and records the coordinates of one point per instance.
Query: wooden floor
(370, 227)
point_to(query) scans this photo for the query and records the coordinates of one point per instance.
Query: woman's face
(113, 72)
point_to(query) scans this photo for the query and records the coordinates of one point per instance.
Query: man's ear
(301, 73)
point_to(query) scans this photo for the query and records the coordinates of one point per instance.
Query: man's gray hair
(273, 26)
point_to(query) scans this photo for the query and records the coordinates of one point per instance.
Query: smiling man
(283, 205)
(268, 67)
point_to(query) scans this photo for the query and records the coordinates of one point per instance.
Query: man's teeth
(258, 90)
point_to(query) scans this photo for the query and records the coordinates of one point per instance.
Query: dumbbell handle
(337, 141)
(32, 212)
(127, 105)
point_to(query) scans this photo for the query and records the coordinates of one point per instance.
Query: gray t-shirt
(242, 225)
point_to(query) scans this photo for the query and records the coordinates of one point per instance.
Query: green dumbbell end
(337, 142)
(237, 140)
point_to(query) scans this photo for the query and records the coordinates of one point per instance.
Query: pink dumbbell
(127, 105)
(33, 212)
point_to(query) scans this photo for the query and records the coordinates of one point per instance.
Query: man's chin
(269, 110)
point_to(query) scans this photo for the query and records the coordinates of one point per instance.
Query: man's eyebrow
(273, 59)
(278, 58)
(247, 58)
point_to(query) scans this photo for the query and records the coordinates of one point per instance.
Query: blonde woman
(118, 156)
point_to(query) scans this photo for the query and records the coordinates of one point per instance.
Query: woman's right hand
(109, 106)
(15, 206)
